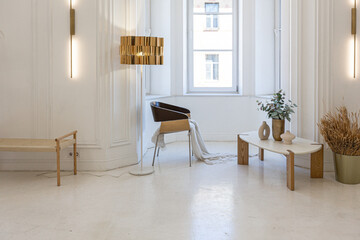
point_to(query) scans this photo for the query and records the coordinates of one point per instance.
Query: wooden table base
(317, 162)
(290, 165)
(243, 152)
(261, 154)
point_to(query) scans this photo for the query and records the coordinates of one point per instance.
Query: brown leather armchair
(173, 119)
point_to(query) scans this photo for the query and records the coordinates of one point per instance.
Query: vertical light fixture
(72, 33)
(139, 50)
(353, 32)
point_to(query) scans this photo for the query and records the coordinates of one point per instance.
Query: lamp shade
(140, 50)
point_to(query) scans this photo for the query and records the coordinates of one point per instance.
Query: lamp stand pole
(142, 171)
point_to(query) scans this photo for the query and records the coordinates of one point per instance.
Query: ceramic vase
(264, 131)
(287, 137)
(278, 128)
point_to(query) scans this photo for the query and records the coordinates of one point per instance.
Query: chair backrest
(165, 112)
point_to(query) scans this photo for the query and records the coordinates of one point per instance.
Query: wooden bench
(41, 145)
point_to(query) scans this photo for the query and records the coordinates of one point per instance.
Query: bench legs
(58, 149)
(75, 163)
(243, 152)
(58, 164)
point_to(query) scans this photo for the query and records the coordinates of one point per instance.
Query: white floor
(223, 201)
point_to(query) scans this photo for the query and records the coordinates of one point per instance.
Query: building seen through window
(212, 9)
(212, 67)
(211, 46)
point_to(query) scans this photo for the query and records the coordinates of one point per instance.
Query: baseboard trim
(66, 164)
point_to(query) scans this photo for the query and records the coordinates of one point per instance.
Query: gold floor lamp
(139, 50)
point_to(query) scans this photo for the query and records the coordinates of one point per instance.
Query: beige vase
(287, 137)
(278, 128)
(264, 131)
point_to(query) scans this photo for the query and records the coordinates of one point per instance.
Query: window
(212, 42)
(212, 67)
(212, 9)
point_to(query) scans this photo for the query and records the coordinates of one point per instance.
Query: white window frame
(235, 50)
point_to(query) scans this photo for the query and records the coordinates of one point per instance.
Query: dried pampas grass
(341, 131)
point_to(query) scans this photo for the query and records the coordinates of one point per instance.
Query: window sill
(213, 95)
(268, 96)
(211, 30)
(224, 95)
(153, 97)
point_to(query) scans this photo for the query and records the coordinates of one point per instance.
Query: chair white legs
(157, 139)
(189, 149)
(157, 150)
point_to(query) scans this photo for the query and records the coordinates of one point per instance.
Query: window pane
(220, 39)
(223, 6)
(208, 71)
(216, 71)
(208, 22)
(211, 57)
(210, 66)
(215, 21)
(211, 7)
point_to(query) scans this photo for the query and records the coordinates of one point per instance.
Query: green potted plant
(341, 131)
(278, 110)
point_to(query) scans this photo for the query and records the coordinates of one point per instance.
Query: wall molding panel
(325, 76)
(99, 102)
(120, 83)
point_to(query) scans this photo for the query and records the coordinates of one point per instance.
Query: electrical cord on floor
(101, 174)
(80, 173)
(69, 173)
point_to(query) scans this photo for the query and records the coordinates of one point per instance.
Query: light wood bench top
(32, 145)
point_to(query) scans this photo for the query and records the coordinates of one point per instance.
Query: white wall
(308, 63)
(345, 89)
(321, 74)
(337, 86)
(161, 27)
(264, 47)
(220, 118)
(38, 98)
(16, 69)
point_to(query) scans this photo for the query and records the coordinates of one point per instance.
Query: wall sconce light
(72, 33)
(353, 32)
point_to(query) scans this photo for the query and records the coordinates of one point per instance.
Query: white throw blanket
(198, 146)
